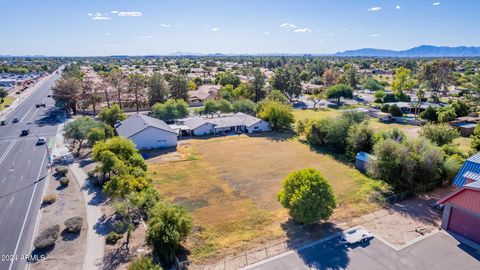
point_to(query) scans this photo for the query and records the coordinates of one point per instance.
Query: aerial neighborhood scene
(213, 134)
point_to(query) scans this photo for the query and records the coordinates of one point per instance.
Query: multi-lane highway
(23, 170)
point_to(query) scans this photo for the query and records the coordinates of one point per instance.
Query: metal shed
(362, 159)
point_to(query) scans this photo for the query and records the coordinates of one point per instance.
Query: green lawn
(6, 101)
(316, 115)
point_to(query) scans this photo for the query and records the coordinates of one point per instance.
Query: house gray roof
(138, 122)
(238, 119)
(194, 122)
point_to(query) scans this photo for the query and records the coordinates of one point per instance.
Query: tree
(79, 129)
(288, 81)
(338, 91)
(360, 139)
(279, 115)
(170, 110)
(475, 144)
(461, 108)
(244, 106)
(168, 226)
(226, 92)
(225, 78)
(330, 77)
(372, 85)
(276, 95)
(403, 80)
(178, 87)
(446, 114)
(350, 76)
(90, 90)
(111, 116)
(144, 263)
(103, 86)
(395, 111)
(191, 85)
(157, 89)
(257, 85)
(440, 134)
(66, 92)
(430, 114)
(436, 75)
(338, 129)
(308, 196)
(116, 80)
(3, 94)
(223, 106)
(136, 85)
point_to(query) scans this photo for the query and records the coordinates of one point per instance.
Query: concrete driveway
(438, 251)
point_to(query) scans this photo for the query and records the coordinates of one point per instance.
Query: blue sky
(139, 27)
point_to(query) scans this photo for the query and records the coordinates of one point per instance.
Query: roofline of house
(453, 194)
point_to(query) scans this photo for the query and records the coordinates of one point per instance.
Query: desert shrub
(429, 114)
(451, 166)
(440, 134)
(49, 198)
(360, 138)
(64, 181)
(63, 170)
(385, 108)
(74, 224)
(113, 237)
(394, 110)
(144, 263)
(47, 237)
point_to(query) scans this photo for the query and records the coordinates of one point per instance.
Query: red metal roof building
(461, 214)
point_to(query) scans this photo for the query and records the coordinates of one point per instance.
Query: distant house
(202, 94)
(147, 132)
(461, 214)
(236, 123)
(466, 125)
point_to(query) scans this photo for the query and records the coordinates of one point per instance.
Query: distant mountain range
(420, 51)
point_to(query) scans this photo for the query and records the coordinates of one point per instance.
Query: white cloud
(266, 33)
(114, 11)
(165, 25)
(303, 30)
(147, 37)
(375, 35)
(398, 7)
(288, 26)
(215, 29)
(108, 34)
(100, 18)
(129, 13)
(436, 3)
(344, 29)
(374, 9)
(90, 14)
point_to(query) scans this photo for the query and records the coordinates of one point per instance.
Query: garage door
(464, 224)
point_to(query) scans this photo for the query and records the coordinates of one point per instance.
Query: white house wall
(204, 129)
(261, 126)
(151, 138)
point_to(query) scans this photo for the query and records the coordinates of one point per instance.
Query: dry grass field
(229, 184)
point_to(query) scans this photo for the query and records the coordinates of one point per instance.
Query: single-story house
(239, 122)
(461, 212)
(147, 132)
(202, 94)
(471, 165)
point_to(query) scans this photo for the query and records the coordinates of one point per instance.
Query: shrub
(63, 170)
(74, 224)
(308, 196)
(64, 181)
(113, 237)
(385, 108)
(440, 134)
(91, 173)
(47, 237)
(394, 110)
(279, 115)
(49, 199)
(451, 166)
(429, 114)
(360, 138)
(316, 131)
(144, 263)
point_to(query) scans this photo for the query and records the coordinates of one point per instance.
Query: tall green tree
(178, 87)
(258, 85)
(66, 92)
(403, 80)
(111, 116)
(117, 79)
(168, 226)
(338, 91)
(279, 115)
(170, 110)
(79, 129)
(308, 196)
(136, 85)
(157, 89)
(288, 81)
(3, 94)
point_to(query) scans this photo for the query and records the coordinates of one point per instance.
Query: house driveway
(438, 251)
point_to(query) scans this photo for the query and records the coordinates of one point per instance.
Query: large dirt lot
(229, 185)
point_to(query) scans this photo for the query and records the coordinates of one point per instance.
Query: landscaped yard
(229, 185)
(6, 102)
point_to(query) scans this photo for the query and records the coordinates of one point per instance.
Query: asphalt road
(439, 252)
(23, 170)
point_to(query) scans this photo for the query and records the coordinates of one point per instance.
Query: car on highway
(25, 132)
(49, 96)
(355, 235)
(3, 122)
(15, 120)
(40, 105)
(41, 140)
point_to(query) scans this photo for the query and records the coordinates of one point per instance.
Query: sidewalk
(95, 246)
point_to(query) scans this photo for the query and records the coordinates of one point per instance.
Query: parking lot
(438, 251)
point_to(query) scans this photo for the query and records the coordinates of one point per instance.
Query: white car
(355, 235)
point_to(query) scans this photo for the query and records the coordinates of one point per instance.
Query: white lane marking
(23, 118)
(33, 114)
(8, 150)
(4, 179)
(13, 165)
(11, 200)
(28, 210)
(21, 178)
(28, 162)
